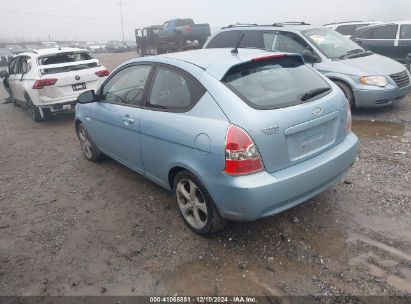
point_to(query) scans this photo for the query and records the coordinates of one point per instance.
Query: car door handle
(128, 120)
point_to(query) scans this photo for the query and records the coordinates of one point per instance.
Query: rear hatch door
(290, 111)
(74, 71)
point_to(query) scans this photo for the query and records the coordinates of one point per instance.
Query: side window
(14, 66)
(405, 32)
(346, 29)
(268, 40)
(366, 34)
(252, 39)
(25, 65)
(224, 40)
(290, 43)
(385, 32)
(174, 91)
(127, 86)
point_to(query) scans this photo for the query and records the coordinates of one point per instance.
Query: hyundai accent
(234, 134)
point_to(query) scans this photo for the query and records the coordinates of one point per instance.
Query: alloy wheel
(191, 203)
(85, 142)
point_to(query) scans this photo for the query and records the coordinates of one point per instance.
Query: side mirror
(4, 74)
(87, 97)
(309, 56)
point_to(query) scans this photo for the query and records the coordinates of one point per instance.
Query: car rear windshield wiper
(310, 94)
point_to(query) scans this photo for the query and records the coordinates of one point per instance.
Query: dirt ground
(72, 227)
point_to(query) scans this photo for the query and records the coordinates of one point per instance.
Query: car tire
(32, 109)
(347, 92)
(13, 100)
(196, 205)
(47, 113)
(90, 150)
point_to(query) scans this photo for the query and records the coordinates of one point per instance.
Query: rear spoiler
(261, 59)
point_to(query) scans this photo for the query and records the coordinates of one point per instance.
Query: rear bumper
(250, 197)
(59, 107)
(379, 96)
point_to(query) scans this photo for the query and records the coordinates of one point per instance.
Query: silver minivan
(367, 79)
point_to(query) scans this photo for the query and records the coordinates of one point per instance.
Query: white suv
(50, 80)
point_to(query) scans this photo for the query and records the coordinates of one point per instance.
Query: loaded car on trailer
(174, 35)
(49, 80)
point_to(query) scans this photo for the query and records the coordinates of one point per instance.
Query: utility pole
(121, 18)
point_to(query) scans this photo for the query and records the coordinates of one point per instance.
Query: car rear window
(69, 58)
(65, 57)
(276, 83)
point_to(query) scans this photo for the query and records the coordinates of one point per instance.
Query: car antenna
(235, 50)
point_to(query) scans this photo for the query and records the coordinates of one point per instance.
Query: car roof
(51, 51)
(391, 22)
(278, 26)
(215, 61)
(351, 22)
(400, 22)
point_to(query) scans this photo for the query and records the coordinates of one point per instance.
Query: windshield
(332, 44)
(275, 83)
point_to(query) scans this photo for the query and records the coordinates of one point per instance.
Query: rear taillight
(40, 84)
(241, 154)
(349, 118)
(188, 29)
(102, 73)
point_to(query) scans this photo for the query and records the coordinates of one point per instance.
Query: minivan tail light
(102, 73)
(40, 84)
(241, 154)
(349, 118)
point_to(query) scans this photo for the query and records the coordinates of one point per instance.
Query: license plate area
(79, 86)
(307, 142)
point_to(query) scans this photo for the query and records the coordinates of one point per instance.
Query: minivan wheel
(347, 92)
(90, 150)
(196, 205)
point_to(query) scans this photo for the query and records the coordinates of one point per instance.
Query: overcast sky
(99, 20)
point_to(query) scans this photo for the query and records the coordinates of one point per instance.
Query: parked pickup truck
(179, 31)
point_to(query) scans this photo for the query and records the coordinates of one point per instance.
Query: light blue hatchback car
(235, 135)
